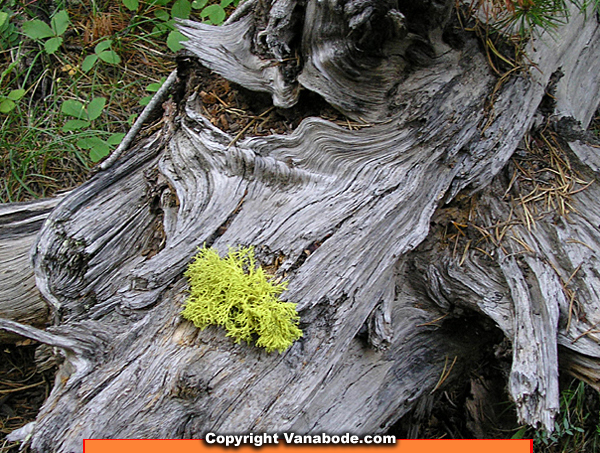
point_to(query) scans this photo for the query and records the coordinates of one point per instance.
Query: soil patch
(23, 389)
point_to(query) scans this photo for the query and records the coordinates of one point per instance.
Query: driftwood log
(388, 235)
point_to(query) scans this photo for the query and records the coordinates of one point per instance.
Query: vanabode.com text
(290, 438)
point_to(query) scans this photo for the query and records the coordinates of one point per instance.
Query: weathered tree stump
(356, 220)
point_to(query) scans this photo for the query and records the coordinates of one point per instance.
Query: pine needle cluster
(234, 293)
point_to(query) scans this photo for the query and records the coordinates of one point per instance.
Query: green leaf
(60, 22)
(154, 87)
(7, 105)
(15, 95)
(103, 45)
(89, 62)
(181, 9)
(131, 5)
(75, 125)
(95, 108)
(174, 40)
(73, 108)
(199, 4)
(36, 29)
(520, 433)
(145, 100)
(215, 13)
(162, 15)
(115, 139)
(90, 142)
(53, 44)
(170, 25)
(3, 18)
(132, 118)
(110, 57)
(99, 151)
(226, 3)
(98, 147)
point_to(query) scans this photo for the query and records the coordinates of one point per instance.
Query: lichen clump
(234, 293)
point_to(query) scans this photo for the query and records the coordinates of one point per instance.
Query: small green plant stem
(156, 100)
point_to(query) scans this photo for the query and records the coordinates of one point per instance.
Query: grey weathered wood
(110, 258)
(19, 297)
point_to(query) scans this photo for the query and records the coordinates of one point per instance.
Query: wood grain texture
(345, 210)
(19, 297)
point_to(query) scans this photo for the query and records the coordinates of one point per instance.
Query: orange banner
(401, 446)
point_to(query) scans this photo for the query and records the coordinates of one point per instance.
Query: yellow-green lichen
(234, 293)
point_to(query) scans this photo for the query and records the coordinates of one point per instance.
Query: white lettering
(289, 438)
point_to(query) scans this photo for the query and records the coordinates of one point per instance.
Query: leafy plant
(215, 13)
(181, 9)
(234, 293)
(8, 102)
(131, 5)
(51, 34)
(98, 148)
(9, 35)
(102, 51)
(83, 116)
(47, 144)
(152, 88)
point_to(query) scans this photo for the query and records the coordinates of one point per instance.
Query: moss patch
(234, 293)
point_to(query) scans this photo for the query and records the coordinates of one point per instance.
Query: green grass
(577, 427)
(53, 59)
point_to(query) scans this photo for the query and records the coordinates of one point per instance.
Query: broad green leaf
(154, 87)
(15, 95)
(36, 29)
(215, 13)
(95, 107)
(110, 57)
(103, 45)
(170, 24)
(115, 139)
(99, 151)
(145, 100)
(89, 62)
(3, 18)
(199, 4)
(75, 125)
(131, 5)
(162, 15)
(226, 3)
(174, 40)
(60, 22)
(53, 44)
(90, 142)
(181, 9)
(73, 108)
(7, 105)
